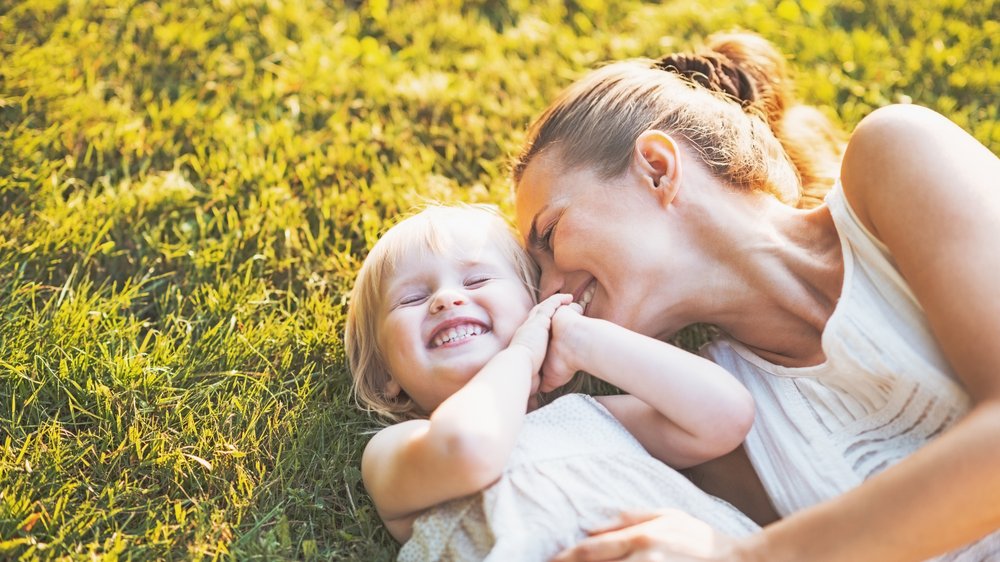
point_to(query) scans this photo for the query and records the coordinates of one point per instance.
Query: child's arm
(683, 408)
(465, 444)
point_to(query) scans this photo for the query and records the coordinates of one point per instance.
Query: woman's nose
(447, 298)
(550, 283)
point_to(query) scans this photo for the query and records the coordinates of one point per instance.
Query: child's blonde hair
(428, 231)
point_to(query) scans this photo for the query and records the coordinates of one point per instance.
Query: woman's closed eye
(544, 241)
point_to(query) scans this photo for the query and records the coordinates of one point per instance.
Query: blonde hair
(732, 103)
(428, 231)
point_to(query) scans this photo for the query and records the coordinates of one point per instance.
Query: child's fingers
(549, 306)
(534, 332)
(573, 309)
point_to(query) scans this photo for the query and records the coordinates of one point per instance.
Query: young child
(444, 338)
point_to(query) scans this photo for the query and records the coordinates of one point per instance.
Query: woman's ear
(657, 163)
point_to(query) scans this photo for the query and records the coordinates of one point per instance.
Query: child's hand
(533, 334)
(562, 358)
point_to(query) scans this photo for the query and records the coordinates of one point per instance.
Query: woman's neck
(780, 277)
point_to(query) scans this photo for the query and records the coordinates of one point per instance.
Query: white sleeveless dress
(574, 468)
(883, 392)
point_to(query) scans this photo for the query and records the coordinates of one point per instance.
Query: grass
(186, 189)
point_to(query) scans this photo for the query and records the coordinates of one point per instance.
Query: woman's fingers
(626, 519)
(597, 549)
(667, 535)
(619, 541)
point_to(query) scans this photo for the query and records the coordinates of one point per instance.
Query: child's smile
(457, 331)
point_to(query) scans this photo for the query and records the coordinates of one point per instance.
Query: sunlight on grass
(186, 190)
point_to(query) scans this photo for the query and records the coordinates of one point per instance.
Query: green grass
(186, 189)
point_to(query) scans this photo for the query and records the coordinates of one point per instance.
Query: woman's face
(611, 236)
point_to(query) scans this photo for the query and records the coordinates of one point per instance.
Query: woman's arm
(683, 408)
(465, 444)
(931, 193)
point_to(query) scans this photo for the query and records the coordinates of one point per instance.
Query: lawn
(186, 190)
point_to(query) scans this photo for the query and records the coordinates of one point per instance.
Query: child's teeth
(456, 333)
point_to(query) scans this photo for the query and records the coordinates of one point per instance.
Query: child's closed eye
(477, 281)
(411, 299)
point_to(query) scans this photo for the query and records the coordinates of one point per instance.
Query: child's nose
(447, 298)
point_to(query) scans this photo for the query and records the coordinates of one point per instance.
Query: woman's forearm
(941, 497)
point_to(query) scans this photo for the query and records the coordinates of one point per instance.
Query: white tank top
(883, 392)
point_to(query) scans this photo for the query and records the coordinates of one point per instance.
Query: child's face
(444, 316)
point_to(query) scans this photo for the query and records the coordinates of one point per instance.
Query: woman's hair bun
(744, 66)
(714, 71)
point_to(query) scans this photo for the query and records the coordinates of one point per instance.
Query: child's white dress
(575, 467)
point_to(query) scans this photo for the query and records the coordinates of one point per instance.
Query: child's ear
(392, 388)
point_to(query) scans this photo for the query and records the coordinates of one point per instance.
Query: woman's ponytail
(732, 103)
(750, 71)
(814, 144)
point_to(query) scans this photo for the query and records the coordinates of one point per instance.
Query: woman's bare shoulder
(913, 157)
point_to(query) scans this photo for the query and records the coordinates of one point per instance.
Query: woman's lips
(587, 295)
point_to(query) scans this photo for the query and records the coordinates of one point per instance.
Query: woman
(865, 327)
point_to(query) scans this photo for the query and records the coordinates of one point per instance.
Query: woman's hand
(668, 535)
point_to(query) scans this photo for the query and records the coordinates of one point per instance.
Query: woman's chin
(602, 312)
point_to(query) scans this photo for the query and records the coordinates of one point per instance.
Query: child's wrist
(526, 353)
(582, 341)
